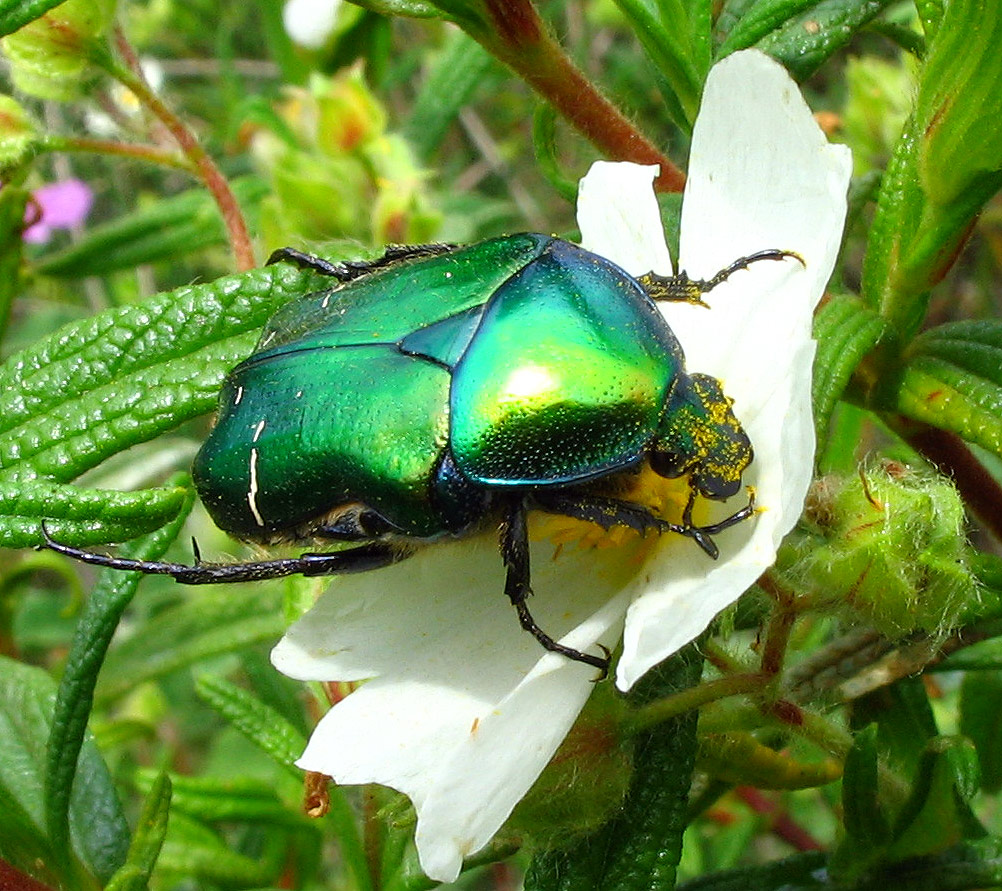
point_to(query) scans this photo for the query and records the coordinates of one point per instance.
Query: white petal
(619, 218)
(465, 709)
(762, 176)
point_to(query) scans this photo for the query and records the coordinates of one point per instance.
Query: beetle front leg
(515, 553)
(360, 559)
(611, 512)
(682, 289)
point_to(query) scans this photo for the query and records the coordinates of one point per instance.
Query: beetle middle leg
(515, 553)
(682, 289)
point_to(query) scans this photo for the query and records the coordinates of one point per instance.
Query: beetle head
(700, 436)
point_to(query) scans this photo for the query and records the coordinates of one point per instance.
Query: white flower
(461, 709)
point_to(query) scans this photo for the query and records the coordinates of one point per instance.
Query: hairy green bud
(17, 132)
(887, 546)
(585, 782)
(51, 57)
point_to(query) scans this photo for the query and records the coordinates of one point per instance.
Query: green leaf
(905, 720)
(985, 655)
(952, 379)
(802, 872)
(195, 852)
(931, 819)
(126, 375)
(544, 141)
(981, 721)
(762, 18)
(13, 201)
(260, 723)
(846, 331)
(738, 758)
(455, 74)
(959, 105)
(208, 624)
(98, 831)
(264, 727)
(23, 845)
(665, 32)
(148, 840)
(930, 13)
(111, 595)
(865, 819)
(640, 848)
(16, 14)
(83, 516)
(962, 868)
(167, 230)
(809, 39)
(214, 800)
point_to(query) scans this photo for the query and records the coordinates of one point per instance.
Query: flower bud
(348, 114)
(888, 546)
(401, 213)
(50, 57)
(17, 132)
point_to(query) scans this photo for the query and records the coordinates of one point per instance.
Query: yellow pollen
(664, 498)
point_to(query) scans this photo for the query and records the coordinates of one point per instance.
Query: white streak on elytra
(240, 395)
(326, 301)
(258, 429)
(299, 393)
(252, 492)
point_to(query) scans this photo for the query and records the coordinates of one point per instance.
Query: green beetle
(440, 386)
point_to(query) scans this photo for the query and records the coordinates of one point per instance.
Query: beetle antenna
(196, 550)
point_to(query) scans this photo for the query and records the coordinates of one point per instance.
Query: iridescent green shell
(522, 361)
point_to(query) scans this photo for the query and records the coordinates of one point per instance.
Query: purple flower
(60, 205)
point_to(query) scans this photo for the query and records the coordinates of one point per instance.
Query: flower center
(665, 498)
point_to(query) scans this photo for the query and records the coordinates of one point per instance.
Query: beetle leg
(611, 512)
(349, 270)
(360, 559)
(681, 288)
(515, 553)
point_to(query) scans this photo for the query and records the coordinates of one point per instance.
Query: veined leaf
(846, 331)
(103, 384)
(952, 379)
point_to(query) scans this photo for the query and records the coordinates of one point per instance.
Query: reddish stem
(520, 39)
(979, 489)
(200, 159)
(14, 880)
(150, 153)
(777, 634)
(780, 822)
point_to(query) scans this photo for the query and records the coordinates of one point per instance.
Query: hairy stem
(130, 76)
(519, 38)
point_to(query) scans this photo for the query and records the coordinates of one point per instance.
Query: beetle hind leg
(515, 553)
(348, 270)
(357, 559)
